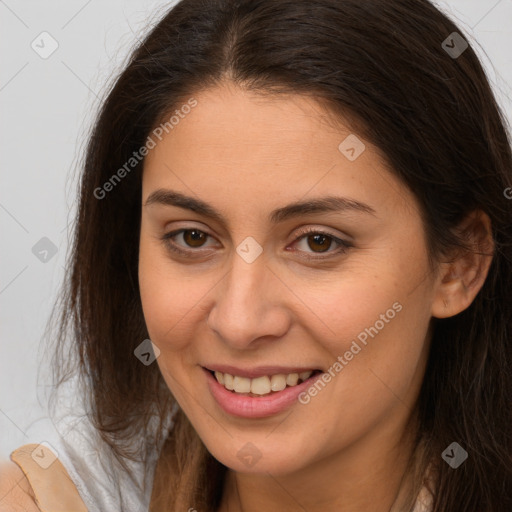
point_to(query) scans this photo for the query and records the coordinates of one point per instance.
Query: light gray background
(47, 106)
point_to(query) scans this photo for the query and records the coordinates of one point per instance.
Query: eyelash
(343, 245)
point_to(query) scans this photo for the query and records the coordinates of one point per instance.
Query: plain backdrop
(47, 104)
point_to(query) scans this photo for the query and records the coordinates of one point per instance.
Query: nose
(249, 305)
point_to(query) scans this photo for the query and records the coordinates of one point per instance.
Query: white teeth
(305, 375)
(292, 379)
(241, 384)
(261, 385)
(278, 382)
(228, 381)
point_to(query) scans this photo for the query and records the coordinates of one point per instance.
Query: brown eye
(184, 241)
(319, 242)
(314, 243)
(194, 237)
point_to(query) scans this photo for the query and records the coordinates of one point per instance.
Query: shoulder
(49, 484)
(36, 480)
(16, 493)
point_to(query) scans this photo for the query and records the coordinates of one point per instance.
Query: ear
(461, 278)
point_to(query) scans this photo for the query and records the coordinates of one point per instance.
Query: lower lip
(256, 407)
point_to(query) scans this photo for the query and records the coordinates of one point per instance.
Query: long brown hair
(434, 117)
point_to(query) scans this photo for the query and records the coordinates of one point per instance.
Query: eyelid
(167, 239)
(343, 245)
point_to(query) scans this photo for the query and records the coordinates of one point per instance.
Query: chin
(258, 457)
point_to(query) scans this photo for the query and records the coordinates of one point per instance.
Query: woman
(293, 251)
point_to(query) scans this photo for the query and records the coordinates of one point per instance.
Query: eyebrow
(318, 205)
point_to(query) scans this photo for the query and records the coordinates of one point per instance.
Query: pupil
(320, 240)
(192, 236)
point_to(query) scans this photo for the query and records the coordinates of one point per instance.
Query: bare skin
(16, 493)
(247, 155)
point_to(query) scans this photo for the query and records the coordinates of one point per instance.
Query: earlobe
(463, 276)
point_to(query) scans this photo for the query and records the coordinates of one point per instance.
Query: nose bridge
(246, 279)
(244, 289)
(246, 305)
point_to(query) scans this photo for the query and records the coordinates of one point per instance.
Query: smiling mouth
(261, 386)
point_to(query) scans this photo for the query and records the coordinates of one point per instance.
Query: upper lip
(258, 371)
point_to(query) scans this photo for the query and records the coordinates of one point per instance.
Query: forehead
(228, 118)
(236, 145)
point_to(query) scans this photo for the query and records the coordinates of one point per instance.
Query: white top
(102, 483)
(423, 502)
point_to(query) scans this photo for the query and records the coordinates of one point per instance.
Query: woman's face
(252, 294)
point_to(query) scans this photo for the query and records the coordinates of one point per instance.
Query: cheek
(375, 362)
(376, 320)
(171, 302)
(164, 299)
(342, 307)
